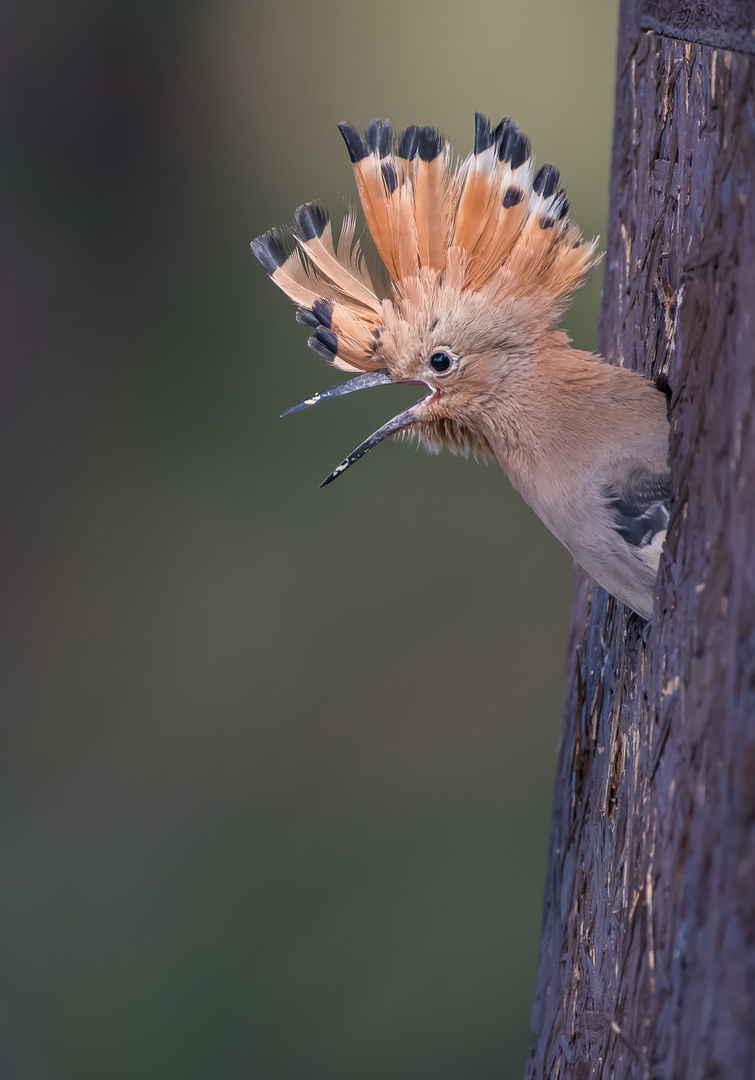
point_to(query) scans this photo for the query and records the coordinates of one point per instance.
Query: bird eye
(441, 362)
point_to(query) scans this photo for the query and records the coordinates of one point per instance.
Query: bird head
(457, 284)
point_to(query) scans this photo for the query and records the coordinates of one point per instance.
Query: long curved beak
(403, 420)
(362, 382)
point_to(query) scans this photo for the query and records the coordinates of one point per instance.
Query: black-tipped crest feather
(311, 220)
(502, 132)
(483, 138)
(354, 144)
(306, 317)
(271, 250)
(429, 143)
(515, 146)
(317, 346)
(327, 338)
(323, 312)
(377, 138)
(407, 147)
(546, 181)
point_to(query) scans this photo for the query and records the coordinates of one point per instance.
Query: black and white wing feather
(640, 511)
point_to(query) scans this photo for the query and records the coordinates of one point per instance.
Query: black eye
(440, 362)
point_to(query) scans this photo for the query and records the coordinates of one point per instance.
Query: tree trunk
(647, 962)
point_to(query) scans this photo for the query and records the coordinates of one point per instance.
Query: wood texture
(647, 965)
(723, 24)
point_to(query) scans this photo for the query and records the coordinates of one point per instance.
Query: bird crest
(478, 236)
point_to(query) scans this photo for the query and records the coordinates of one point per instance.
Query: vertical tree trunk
(647, 964)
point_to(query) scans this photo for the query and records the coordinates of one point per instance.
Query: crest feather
(314, 234)
(490, 227)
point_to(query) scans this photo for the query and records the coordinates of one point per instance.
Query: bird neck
(556, 413)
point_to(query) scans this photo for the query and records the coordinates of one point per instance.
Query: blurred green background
(276, 762)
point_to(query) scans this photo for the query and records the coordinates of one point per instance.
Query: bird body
(574, 467)
(476, 268)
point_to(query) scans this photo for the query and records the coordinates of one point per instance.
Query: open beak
(363, 382)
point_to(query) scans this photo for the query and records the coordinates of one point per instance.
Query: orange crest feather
(488, 227)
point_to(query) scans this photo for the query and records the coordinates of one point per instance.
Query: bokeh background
(276, 762)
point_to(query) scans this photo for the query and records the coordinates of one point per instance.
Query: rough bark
(647, 964)
(723, 24)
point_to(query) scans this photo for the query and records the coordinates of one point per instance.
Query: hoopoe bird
(458, 284)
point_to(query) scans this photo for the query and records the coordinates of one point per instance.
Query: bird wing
(639, 507)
